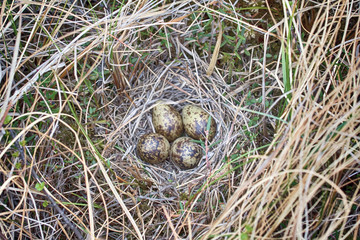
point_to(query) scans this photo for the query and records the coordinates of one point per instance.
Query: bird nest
(178, 83)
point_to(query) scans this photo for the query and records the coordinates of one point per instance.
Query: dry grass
(77, 84)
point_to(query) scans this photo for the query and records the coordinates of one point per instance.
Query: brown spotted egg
(195, 121)
(153, 148)
(185, 153)
(167, 121)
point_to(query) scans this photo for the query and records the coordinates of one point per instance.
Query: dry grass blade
(314, 160)
(78, 83)
(6, 103)
(215, 54)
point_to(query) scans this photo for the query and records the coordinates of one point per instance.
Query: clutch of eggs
(169, 126)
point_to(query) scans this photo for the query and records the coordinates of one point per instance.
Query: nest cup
(177, 86)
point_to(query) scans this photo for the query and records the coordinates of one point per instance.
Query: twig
(2, 120)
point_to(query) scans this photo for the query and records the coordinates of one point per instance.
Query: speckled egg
(195, 122)
(153, 148)
(185, 153)
(167, 121)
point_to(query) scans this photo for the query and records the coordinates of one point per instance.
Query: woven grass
(78, 81)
